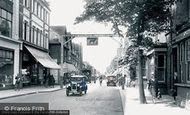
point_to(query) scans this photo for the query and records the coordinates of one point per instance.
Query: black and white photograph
(94, 57)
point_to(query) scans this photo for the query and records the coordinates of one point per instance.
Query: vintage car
(111, 80)
(77, 85)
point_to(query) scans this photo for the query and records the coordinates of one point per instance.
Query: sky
(64, 12)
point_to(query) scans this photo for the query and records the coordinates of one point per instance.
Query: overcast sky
(64, 12)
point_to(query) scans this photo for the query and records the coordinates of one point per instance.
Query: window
(26, 3)
(47, 18)
(34, 6)
(4, 14)
(6, 67)
(161, 67)
(188, 59)
(45, 41)
(182, 67)
(37, 39)
(35, 32)
(25, 30)
(5, 23)
(38, 10)
(42, 39)
(30, 37)
(9, 16)
(42, 14)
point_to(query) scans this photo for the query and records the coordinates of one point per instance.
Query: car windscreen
(111, 77)
(75, 78)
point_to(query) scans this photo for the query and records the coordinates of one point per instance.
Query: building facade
(76, 56)
(34, 31)
(9, 43)
(67, 54)
(179, 50)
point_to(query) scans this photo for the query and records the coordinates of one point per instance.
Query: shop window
(188, 59)
(6, 68)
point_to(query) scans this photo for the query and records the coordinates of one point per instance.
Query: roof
(61, 30)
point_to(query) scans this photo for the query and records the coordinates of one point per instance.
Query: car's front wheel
(67, 92)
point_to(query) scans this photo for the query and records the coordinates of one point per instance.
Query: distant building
(9, 44)
(67, 54)
(77, 57)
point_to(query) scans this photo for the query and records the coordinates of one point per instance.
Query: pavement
(4, 94)
(165, 105)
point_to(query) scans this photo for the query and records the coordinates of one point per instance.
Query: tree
(138, 19)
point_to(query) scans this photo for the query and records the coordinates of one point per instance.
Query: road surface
(99, 100)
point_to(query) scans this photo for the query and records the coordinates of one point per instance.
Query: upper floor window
(26, 3)
(5, 23)
(25, 30)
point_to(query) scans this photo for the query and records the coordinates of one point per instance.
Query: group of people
(155, 91)
(49, 80)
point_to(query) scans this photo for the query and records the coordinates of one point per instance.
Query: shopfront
(156, 66)
(37, 64)
(9, 62)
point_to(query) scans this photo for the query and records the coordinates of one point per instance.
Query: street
(99, 100)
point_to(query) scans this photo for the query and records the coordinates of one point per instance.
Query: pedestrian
(174, 90)
(152, 87)
(52, 80)
(49, 80)
(17, 83)
(123, 82)
(100, 79)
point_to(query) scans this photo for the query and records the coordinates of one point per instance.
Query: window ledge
(182, 85)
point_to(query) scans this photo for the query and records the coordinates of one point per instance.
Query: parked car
(77, 85)
(111, 80)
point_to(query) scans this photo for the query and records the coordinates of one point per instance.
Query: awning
(43, 58)
(69, 68)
